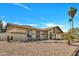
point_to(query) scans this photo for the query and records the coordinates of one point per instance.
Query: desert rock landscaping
(36, 48)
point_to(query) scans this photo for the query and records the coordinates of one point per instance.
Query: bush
(69, 36)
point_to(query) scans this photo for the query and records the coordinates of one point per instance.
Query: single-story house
(25, 32)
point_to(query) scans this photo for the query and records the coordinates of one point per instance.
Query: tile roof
(24, 26)
(30, 27)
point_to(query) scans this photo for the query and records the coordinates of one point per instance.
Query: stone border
(75, 52)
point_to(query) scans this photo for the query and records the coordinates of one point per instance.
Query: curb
(75, 52)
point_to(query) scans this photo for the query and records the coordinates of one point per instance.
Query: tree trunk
(72, 24)
(69, 42)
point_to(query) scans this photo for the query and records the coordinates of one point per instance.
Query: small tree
(70, 37)
(1, 26)
(76, 33)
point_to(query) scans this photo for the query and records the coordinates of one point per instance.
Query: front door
(29, 35)
(50, 36)
(38, 35)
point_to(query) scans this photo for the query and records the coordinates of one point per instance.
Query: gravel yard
(36, 49)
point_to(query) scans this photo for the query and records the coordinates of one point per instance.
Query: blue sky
(40, 15)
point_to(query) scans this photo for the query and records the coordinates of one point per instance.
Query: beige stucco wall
(43, 35)
(48, 35)
(19, 37)
(16, 37)
(3, 36)
(53, 34)
(18, 34)
(57, 35)
(34, 34)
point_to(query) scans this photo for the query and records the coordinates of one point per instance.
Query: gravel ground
(35, 49)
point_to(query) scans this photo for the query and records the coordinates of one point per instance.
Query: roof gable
(49, 28)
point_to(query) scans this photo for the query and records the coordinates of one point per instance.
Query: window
(38, 34)
(29, 33)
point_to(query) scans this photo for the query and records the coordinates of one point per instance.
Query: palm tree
(71, 12)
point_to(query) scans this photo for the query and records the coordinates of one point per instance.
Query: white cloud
(18, 23)
(4, 23)
(6, 17)
(23, 6)
(52, 25)
(25, 24)
(32, 24)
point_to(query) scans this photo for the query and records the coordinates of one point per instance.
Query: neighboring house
(30, 33)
